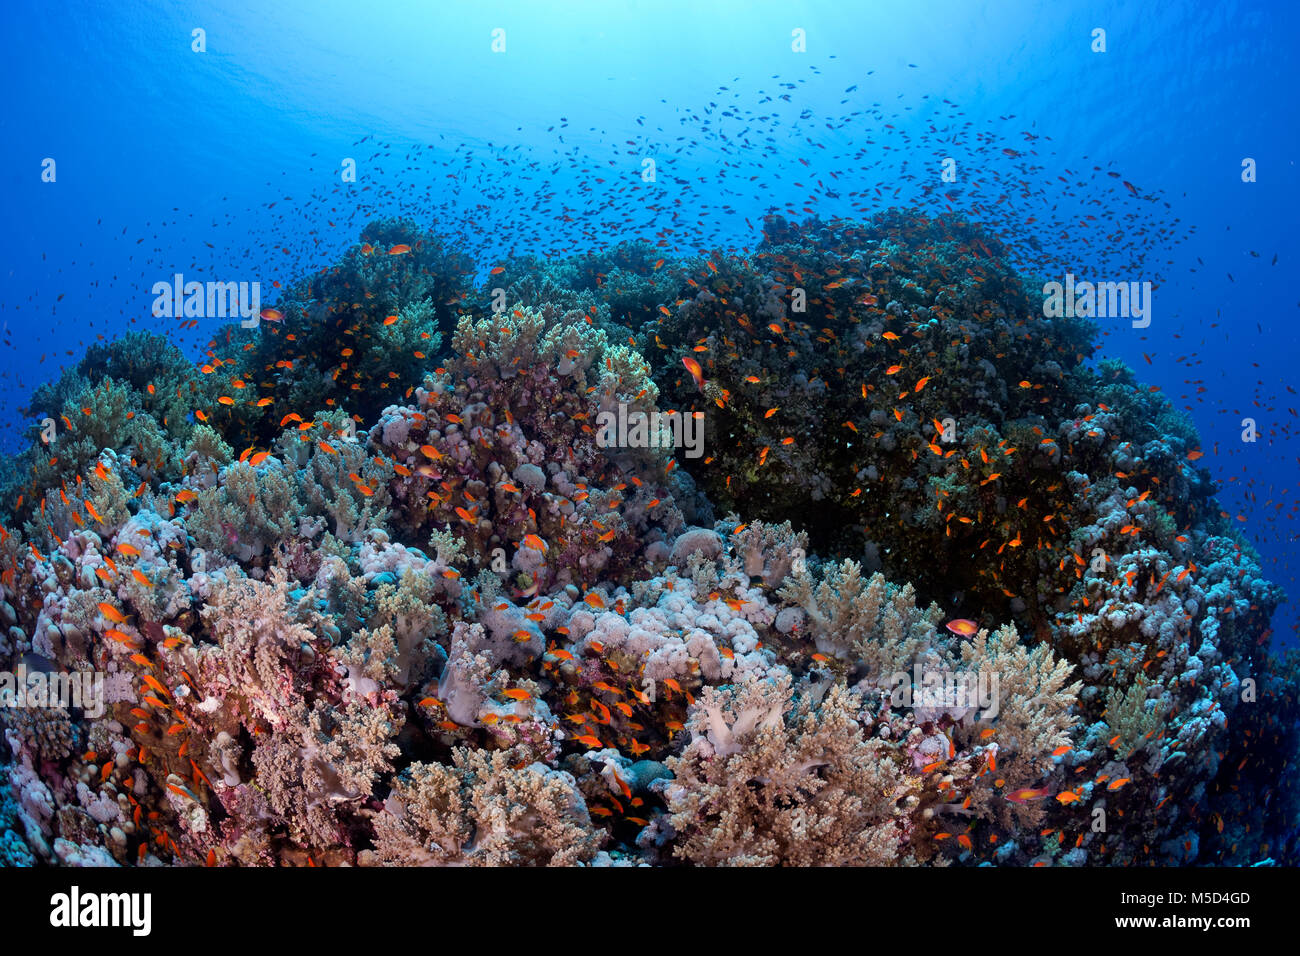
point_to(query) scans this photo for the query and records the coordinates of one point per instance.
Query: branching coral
(1132, 716)
(874, 625)
(758, 786)
(481, 811)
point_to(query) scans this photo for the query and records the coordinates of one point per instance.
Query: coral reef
(371, 583)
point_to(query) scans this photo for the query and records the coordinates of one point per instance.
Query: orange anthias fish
(962, 627)
(112, 613)
(697, 373)
(1026, 794)
(398, 249)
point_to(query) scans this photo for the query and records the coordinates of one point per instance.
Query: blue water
(226, 162)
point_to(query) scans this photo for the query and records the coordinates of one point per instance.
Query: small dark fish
(38, 663)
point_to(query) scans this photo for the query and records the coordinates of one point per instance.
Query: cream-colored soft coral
(482, 811)
(765, 783)
(1034, 716)
(264, 642)
(871, 623)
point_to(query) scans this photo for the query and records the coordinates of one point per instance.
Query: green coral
(323, 469)
(249, 511)
(873, 624)
(1133, 715)
(205, 449)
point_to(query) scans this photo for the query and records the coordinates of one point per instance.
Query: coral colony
(832, 551)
